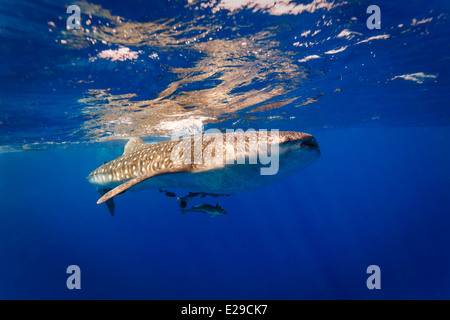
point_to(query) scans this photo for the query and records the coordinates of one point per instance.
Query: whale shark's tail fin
(110, 202)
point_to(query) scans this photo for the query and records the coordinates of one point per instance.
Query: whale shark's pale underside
(177, 164)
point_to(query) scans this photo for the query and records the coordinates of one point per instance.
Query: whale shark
(211, 163)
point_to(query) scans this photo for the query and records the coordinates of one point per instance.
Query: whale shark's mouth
(309, 143)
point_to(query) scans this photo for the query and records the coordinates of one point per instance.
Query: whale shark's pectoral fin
(109, 203)
(131, 183)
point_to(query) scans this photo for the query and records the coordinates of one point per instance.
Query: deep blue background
(379, 194)
(376, 196)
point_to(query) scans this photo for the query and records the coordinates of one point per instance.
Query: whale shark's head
(297, 150)
(290, 141)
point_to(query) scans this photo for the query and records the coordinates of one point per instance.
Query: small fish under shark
(145, 166)
(213, 211)
(184, 200)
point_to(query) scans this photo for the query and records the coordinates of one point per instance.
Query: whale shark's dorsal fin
(133, 145)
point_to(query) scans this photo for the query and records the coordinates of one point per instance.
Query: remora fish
(176, 164)
(184, 200)
(169, 194)
(207, 209)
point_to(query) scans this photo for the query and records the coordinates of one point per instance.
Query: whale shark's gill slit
(131, 183)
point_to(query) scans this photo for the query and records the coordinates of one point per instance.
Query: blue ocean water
(376, 101)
